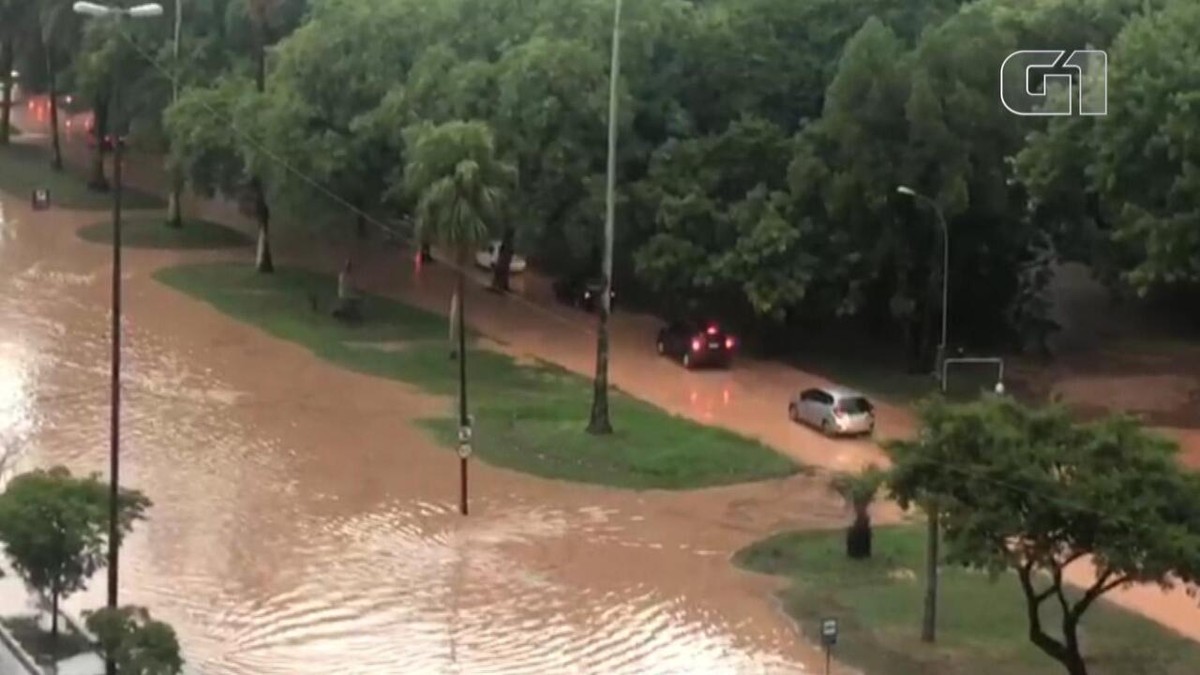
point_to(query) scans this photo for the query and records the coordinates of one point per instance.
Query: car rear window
(855, 406)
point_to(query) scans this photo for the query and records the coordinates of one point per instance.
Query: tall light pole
(933, 513)
(600, 422)
(937, 210)
(114, 450)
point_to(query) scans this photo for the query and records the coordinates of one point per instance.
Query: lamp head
(1000, 389)
(905, 190)
(148, 10)
(91, 9)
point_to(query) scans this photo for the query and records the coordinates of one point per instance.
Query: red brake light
(712, 330)
(729, 343)
(697, 344)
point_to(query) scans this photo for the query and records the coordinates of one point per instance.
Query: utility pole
(114, 448)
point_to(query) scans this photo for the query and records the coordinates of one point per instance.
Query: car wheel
(793, 414)
(825, 426)
(687, 360)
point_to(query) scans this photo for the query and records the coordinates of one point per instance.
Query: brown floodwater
(301, 524)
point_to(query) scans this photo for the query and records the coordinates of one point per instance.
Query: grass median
(151, 232)
(527, 417)
(25, 167)
(982, 626)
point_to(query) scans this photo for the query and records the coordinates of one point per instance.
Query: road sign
(464, 434)
(41, 199)
(464, 450)
(829, 632)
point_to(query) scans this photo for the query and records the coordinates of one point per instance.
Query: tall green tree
(54, 528)
(1127, 178)
(16, 23)
(1027, 492)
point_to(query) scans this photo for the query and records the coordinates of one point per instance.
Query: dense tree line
(761, 141)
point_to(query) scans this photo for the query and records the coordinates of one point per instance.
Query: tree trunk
(98, 181)
(262, 259)
(54, 628)
(6, 67)
(1074, 660)
(599, 423)
(502, 271)
(56, 160)
(929, 618)
(174, 210)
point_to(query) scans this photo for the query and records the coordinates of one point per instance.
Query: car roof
(841, 392)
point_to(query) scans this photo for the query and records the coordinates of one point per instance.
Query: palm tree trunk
(56, 160)
(6, 66)
(98, 181)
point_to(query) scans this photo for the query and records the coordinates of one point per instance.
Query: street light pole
(937, 210)
(600, 422)
(114, 449)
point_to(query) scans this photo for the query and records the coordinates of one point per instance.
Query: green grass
(528, 418)
(24, 168)
(28, 633)
(982, 627)
(152, 232)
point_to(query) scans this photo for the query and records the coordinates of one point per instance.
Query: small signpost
(41, 199)
(464, 453)
(829, 635)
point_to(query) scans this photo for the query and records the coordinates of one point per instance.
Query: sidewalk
(17, 602)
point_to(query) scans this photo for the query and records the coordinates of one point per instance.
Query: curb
(19, 655)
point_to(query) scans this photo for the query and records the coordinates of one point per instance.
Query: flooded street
(301, 525)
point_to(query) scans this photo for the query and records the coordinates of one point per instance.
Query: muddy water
(301, 526)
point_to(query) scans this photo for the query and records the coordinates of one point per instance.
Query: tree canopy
(761, 141)
(1030, 491)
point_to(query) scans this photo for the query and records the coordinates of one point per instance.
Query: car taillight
(729, 343)
(712, 330)
(697, 344)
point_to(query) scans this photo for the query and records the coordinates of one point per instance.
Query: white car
(834, 410)
(487, 257)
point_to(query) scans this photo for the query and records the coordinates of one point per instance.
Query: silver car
(833, 410)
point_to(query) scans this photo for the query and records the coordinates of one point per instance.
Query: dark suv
(697, 343)
(583, 292)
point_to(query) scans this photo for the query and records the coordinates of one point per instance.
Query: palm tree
(859, 491)
(58, 26)
(459, 184)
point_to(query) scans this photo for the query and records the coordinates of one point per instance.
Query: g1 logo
(1026, 77)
